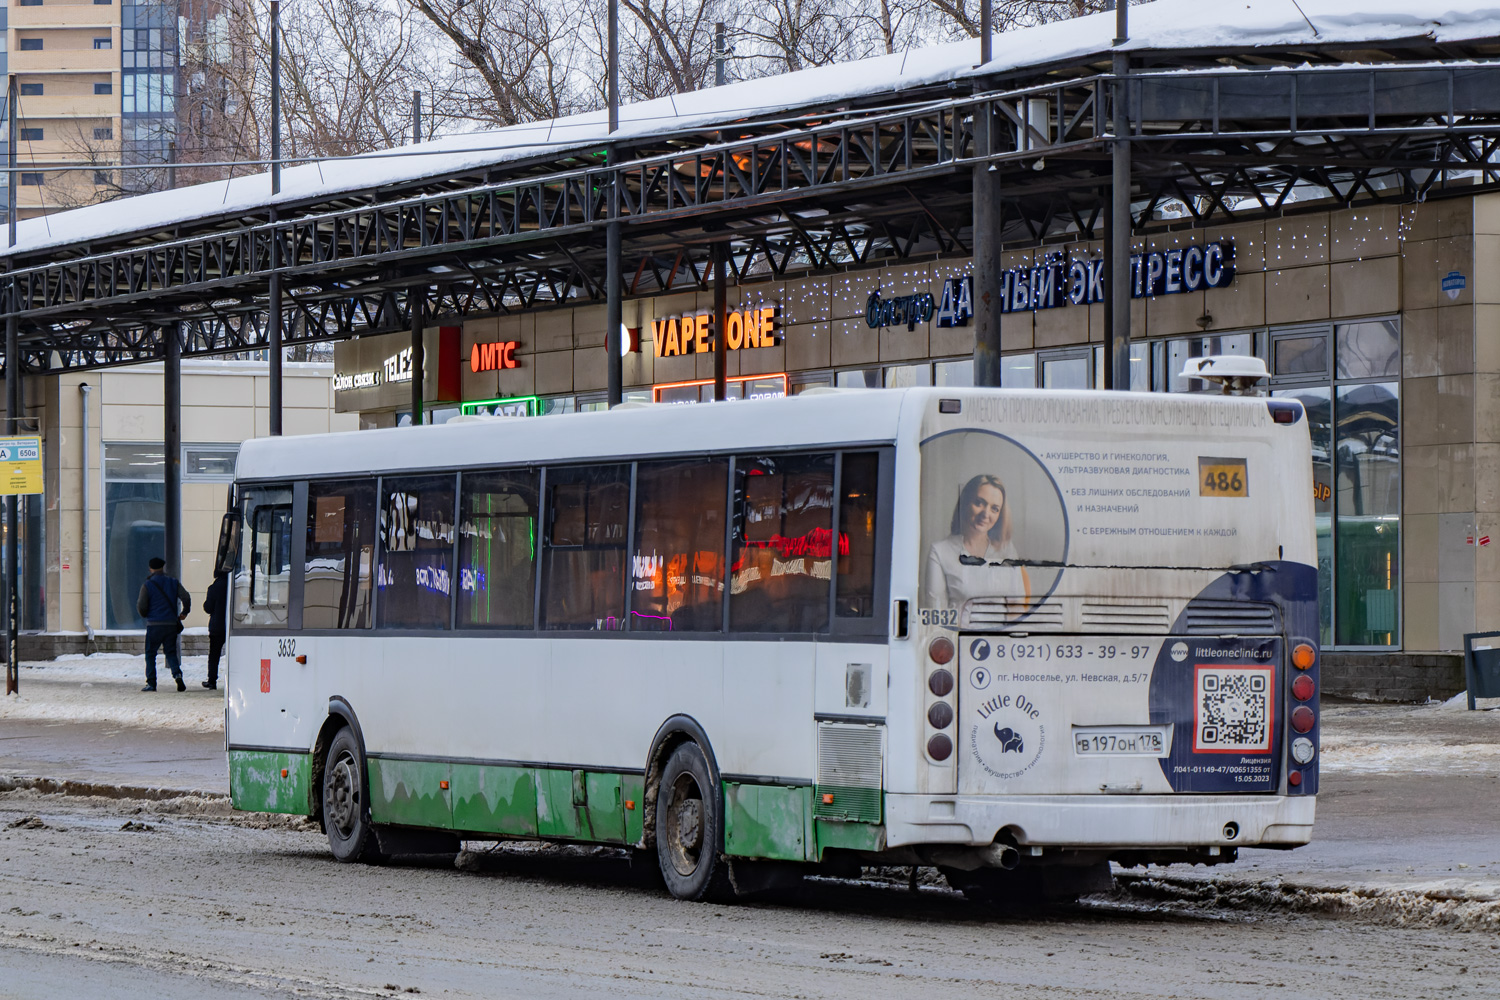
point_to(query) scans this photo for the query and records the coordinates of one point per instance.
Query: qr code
(1233, 710)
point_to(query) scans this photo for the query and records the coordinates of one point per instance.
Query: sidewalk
(1410, 800)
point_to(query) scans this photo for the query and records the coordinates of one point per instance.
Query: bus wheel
(346, 806)
(689, 827)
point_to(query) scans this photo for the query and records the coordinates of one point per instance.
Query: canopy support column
(418, 355)
(721, 320)
(172, 449)
(988, 291)
(1117, 277)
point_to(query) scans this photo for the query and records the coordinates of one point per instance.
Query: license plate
(1122, 741)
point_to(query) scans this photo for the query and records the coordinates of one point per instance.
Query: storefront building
(101, 517)
(1383, 320)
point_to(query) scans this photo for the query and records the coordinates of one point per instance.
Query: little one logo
(1008, 737)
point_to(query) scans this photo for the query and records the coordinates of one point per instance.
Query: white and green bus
(1013, 634)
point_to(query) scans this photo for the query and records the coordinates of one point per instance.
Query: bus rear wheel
(346, 801)
(690, 827)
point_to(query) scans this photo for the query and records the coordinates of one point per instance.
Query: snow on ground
(1410, 739)
(106, 688)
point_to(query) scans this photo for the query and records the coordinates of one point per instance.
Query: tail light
(1303, 687)
(1304, 656)
(940, 650)
(1303, 719)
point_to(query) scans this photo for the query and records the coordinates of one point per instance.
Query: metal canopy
(839, 188)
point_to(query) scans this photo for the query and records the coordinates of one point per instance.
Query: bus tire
(690, 827)
(346, 801)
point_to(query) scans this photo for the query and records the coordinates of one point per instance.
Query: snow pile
(105, 688)
(1165, 24)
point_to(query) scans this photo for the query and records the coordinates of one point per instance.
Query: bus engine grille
(997, 612)
(850, 772)
(1230, 618)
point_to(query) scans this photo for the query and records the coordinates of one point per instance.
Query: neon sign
(694, 334)
(494, 357)
(514, 406)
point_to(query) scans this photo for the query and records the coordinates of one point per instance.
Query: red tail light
(1303, 719)
(1302, 688)
(940, 650)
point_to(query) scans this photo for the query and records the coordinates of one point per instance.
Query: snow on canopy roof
(1161, 25)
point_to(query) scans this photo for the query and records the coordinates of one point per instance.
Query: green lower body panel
(580, 805)
(411, 792)
(768, 821)
(633, 792)
(857, 805)
(850, 836)
(271, 781)
(494, 799)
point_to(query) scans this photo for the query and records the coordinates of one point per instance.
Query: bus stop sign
(20, 465)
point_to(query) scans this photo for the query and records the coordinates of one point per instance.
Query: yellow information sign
(1223, 477)
(20, 465)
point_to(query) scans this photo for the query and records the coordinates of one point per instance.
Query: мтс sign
(21, 465)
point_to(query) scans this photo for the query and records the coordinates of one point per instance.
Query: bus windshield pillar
(172, 449)
(988, 218)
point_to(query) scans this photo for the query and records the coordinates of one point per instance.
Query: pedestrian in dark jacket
(164, 603)
(215, 602)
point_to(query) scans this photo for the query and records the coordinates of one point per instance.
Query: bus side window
(677, 571)
(859, 480)
(416, 552)
(338, 576)
(497, 525)
(587, 510)
(262, 580)
(783, 551)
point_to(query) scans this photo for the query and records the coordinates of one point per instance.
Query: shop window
(677, 571)
(907, 376)
(958, 373)
(859, 378)
(1300, 355)
(584, 583)
(134, 520)
(859, 483)
(783, 534)
(1018, 371)
(1370, 349)
(338, 575)
(416, 552)
(497, 527)
(801, 383)
(263, 581)
(1067, 369)
(1316, 400)
(1367, 543)
(209, 463)
(1179, 352)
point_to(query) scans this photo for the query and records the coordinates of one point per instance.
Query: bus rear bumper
(1101, 821)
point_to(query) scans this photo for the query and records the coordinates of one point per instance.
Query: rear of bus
(1112, 645)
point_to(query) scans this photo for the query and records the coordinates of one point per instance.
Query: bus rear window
(859, 479)
(783, 552)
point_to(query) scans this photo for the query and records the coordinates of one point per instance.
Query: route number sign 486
(1223, 477)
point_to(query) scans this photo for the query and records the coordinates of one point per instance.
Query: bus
(1016, 635)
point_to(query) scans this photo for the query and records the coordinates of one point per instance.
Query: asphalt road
(216, 905)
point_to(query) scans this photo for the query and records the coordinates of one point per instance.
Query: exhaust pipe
(1000, 856)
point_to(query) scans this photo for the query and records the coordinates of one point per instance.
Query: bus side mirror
(228, 551)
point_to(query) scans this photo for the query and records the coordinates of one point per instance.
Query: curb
(99, 789)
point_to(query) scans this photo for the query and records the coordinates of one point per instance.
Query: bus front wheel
(346, 805)
(689, 826)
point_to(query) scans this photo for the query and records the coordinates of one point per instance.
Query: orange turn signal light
(1303, 656)
(630, 803)
(443, 785)
(283, 772)
(828, 798)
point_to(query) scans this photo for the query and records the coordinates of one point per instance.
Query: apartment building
(100, 83)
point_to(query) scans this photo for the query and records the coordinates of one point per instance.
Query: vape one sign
(1061, 281)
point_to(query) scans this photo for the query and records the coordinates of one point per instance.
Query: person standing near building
(214, 604)
(164, 603)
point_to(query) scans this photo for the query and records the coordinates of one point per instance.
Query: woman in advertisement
(972, 560)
